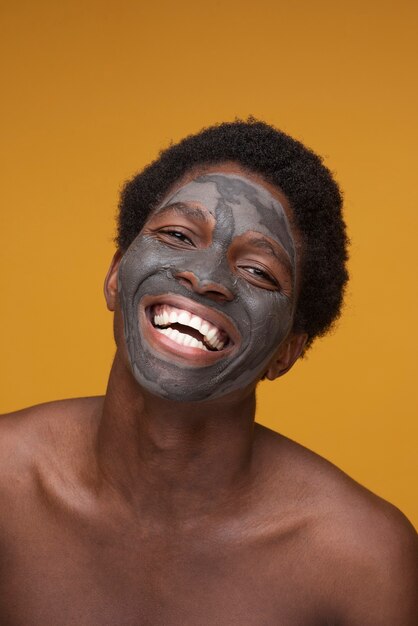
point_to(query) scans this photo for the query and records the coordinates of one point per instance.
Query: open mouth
(187, 329)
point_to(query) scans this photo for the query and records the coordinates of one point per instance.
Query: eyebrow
(186, 209)
(278, 253)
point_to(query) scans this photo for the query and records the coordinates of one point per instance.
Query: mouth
(187, 330)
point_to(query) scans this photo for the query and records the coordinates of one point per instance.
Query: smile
(186, 330)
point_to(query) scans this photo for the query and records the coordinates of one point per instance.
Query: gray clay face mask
(207, 289)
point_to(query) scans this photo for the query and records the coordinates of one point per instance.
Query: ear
(287, 354)
(111, 282)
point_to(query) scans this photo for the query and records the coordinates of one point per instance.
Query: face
(207, 288)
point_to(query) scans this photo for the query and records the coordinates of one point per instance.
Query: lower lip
(177, 352)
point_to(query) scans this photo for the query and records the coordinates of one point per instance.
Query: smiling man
(209, 282)
(163, 503)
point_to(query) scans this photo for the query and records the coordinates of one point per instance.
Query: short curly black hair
(299, 173)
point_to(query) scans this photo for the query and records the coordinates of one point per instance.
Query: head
(239, 228)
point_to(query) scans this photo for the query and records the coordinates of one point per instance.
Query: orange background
(92, 90)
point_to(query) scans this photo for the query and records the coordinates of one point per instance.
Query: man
(162, 503)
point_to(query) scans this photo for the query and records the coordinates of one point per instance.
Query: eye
(177, 235)
(261, 276)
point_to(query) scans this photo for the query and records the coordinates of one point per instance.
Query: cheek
(272, 317)
(118, 326)
(143, 258)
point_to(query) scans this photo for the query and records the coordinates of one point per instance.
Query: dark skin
(130, 509)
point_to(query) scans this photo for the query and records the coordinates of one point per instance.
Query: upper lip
(213, 316)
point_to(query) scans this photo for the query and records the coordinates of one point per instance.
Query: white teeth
(211, 333)
(176, 336)
(195, 322)
(183, 318)
(169, 315)
(181, 338)
(161, 320)
(195, 343)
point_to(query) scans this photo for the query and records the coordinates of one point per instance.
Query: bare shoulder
(362, 547)
(29, 435)
(48, 416)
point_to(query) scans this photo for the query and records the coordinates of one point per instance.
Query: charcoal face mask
(262, 317)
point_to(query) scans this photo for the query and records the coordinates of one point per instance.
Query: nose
(214, 291)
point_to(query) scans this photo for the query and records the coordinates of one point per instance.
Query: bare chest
(59, 573)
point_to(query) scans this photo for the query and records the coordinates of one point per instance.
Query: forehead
(229, 195)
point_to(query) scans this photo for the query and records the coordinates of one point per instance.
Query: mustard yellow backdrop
(91, 90)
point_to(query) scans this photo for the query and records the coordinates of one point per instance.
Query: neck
(171, 459)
